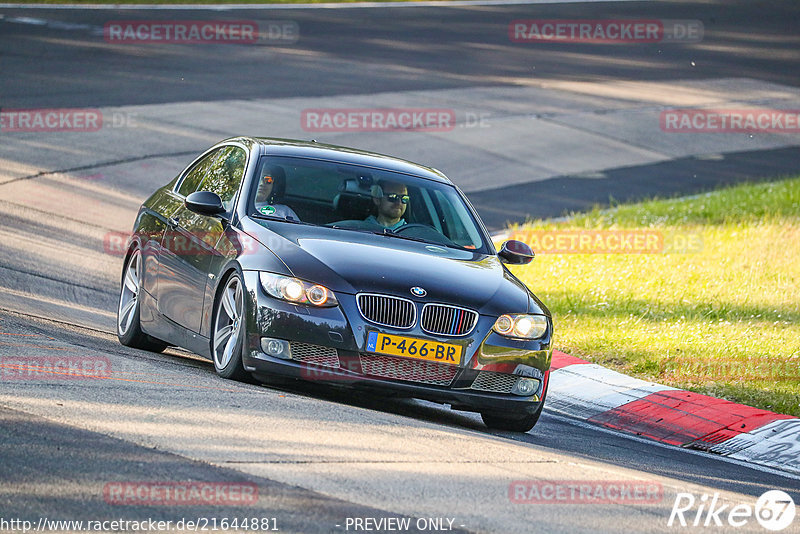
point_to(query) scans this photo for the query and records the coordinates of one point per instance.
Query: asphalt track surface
(319, 456)
(364, 51)
(168, 418)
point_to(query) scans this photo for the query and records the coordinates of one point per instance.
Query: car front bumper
(328, 346)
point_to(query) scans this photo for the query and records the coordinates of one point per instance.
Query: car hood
(355, 262)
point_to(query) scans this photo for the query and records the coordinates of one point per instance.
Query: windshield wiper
(280, 218)
(385, 231)
(350, 228)
(388, 232)
(391, 233)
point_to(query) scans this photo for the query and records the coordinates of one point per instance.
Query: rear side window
(220, 172)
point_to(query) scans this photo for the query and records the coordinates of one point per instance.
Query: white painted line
(588, 389)
(344, 5)
(776, 444)
(27, 20)
(54, 24)
(748, 439)
(566, 418)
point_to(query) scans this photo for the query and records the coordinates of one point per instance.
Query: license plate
(411, 347)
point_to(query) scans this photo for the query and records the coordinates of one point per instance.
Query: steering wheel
(416, 225)
(425, 231)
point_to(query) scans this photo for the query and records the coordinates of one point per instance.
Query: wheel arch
(231, 267)
(133, 244)
(225, 273)
(238, 372)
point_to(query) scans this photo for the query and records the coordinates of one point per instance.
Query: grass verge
(716, 311)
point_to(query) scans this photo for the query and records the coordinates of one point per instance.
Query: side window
(191, 182)
(220, 172)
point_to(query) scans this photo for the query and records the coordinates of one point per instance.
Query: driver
(391, 200)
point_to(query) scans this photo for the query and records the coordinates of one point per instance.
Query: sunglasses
(268, 179)
(394, 197)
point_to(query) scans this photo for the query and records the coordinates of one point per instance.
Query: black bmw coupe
(275, 257)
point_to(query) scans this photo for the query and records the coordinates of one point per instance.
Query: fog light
(526, 387)
(276, 347)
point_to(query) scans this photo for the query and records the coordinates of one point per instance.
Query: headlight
(296, 290)
(521, 326)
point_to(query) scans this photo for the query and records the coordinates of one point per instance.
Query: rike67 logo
(774, 510)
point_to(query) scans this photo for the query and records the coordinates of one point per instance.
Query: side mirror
(205, 203)
(515, 253)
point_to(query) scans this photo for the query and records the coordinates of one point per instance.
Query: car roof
(314, 150)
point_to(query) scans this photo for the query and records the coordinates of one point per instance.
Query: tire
(228, 331)
(129, 329)
(524, 424)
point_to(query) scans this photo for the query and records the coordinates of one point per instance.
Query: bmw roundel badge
(418, 291)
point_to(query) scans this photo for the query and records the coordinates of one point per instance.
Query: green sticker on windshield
(267, 210)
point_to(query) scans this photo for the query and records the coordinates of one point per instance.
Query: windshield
(350, 197)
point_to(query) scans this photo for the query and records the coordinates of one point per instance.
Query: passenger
(271, 189)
